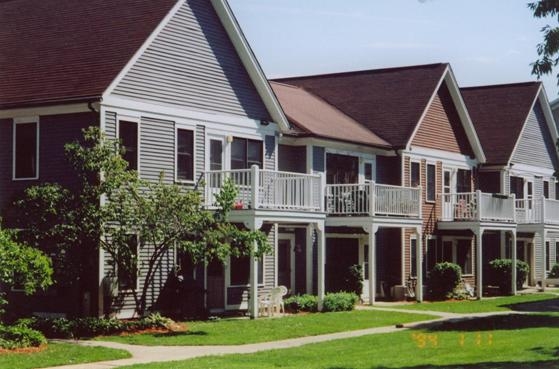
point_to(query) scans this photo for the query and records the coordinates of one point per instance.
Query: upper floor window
(26, 150)
(368, 169)
(546, 189)
(216, 155)
(415, 179)
(128, 136)
(185, 155)
(431, 182)
(463, 181)
(245, 153)
(517, 187)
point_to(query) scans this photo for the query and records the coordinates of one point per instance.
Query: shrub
(20, 336)
(354, 279)
(298, 303)
(554, 273)
(501, 270)
(340, 301)
(443, 279)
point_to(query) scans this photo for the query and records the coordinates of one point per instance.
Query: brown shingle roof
(389, 102)
(69, 50)
(313, 115)
(499, 113)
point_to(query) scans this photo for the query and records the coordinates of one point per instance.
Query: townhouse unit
(388, 169)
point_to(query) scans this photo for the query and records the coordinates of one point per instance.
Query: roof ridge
(361, 71)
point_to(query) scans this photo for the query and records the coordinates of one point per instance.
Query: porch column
(320, 263)
(419, 266)
(372, 230)
(309, 259)
(513, 256)
(253, 291)
(479, 262)
(543, 235)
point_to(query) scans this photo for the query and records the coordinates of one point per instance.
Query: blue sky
(485, 41)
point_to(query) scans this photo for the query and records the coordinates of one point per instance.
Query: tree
(22, 266)
(548, 50)
(126, 217)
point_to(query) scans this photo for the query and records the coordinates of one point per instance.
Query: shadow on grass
(181, 334)
(497, 322)
(548, 306)
(551, 364)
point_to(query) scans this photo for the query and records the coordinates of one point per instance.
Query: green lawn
(242, 331)
(506, 342)
(520, 302)
(60, 354)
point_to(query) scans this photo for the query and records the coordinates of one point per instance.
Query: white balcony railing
(477, 206)
(537, 211)
(356, 199)
(267, 189)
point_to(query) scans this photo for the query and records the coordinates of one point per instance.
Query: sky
(485, 41)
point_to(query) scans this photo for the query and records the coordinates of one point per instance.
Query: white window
(431, 181)
(26, 149)
(415, 174)
(185, 155)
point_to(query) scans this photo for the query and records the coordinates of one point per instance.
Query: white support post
(372, 264)
(479, 263)
(309, 261)
(320, 264)
(513, 256)
(253, 301)
(543, 234)
(372, 198)
(419, 266)
(513, 196)
(543, 219)
(255, 174)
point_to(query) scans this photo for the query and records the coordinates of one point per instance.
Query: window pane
(238, 153)
(547, 256)
(254, 153)
(413, 257)
(185, 154)
(26, 150)
(546, 189)
(414, 176)
(216, 155)
(128, 135)
(240, 270)
(463, 181)
(431, 191)
(368, 171)
(517, 187)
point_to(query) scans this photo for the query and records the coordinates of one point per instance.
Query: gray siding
(110, 124)
(200, 151)
(192, 63)
(157, 149)
(536, 146)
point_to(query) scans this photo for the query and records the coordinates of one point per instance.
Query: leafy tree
(548, 50)
(22, 266)
(126, 216)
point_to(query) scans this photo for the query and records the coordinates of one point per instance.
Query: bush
(354, 279)
(298, 303)
(20, 336)
(90, 327)
(554, 273)
(443, 279)
(501, 270)
(340, 301)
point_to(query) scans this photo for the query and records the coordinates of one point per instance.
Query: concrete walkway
(149, 354)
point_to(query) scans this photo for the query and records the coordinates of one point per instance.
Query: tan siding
(441, 127)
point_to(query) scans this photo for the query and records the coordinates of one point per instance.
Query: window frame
(246, 158)
(133, 121)
(545, 189)
(194, 172)
(428, 190)
(21, 121)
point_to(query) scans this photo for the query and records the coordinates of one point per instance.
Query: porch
(478, 207)
(537, 211)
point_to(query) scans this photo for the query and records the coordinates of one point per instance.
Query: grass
(242, 331)
(60, 354)
(520, 302)
(506, 342)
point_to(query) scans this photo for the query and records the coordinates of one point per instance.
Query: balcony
(372, 199)
(267, 189)
(477, 207)
(537, 211)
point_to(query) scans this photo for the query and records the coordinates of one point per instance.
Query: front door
(215, 285)
(286, 261)
(447, 190)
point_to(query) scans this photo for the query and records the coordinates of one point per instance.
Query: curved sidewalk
(150, 354)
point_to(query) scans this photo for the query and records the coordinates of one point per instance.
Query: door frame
(291, 238)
